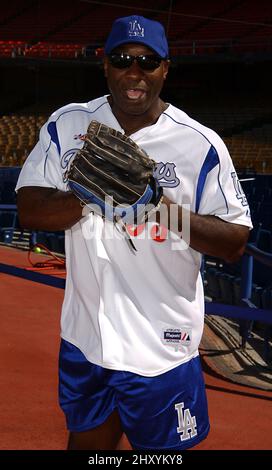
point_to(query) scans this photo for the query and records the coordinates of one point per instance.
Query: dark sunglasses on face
(146, 62)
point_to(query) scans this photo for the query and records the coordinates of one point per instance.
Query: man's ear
(105, 65)
(166, 64)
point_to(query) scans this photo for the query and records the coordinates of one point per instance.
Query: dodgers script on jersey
(141, 313)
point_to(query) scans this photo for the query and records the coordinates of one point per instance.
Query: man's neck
(132, 123)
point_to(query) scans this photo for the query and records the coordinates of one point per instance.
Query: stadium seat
(264, 240)
(213, 286)
(267, 298)
(226, 288)
(54, 241)
(8, 221)
(236, 285)
(256, 295)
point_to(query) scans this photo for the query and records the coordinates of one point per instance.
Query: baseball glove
(113, 176)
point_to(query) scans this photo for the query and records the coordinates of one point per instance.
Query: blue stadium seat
(8, 221)
(213, 287)
(236, 285)
(261, 274)
(61, 239)
(226, 288)
(38, 237)
(54, 241)
(267, 298)
(264, 240)
(256, 295)
(8, 195)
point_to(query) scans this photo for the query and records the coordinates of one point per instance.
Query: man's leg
(104, 437)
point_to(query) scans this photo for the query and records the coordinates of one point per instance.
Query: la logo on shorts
(187, 423)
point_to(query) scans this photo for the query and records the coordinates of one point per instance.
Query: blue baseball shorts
(168, 411)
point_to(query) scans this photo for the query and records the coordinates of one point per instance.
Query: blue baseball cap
(138, 29)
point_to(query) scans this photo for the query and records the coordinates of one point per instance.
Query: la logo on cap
(135, 29)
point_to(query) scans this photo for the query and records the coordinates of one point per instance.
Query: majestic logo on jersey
(135, 29)
(187, 427)
(238, 189)
(176, 337)
(166, 175)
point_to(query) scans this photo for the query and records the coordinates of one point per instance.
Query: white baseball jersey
(142, 313)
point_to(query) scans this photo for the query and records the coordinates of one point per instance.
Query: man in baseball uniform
(131, 324)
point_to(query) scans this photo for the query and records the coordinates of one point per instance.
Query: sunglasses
(124, 61)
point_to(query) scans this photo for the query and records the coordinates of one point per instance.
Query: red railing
(181, 48)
